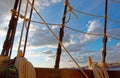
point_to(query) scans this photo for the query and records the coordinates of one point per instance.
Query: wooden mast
(105, 36)
(26, 37)
(61, 35)
(8, 44)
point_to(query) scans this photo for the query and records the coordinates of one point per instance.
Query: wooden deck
(69, 73)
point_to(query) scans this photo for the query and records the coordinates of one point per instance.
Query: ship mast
(105, 36)
(61, 35)
(28, 26)
(8, 44)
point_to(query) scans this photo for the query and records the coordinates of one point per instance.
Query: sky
(42, 46)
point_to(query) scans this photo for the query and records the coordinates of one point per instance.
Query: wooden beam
(69, 73)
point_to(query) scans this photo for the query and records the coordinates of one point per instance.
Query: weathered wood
(8, 43)
(114, 74)
(61, 73)
(69, 73)
(61, 35)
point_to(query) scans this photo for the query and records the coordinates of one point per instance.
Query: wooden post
(8, 44)
(61, 35)
(105, 36)
(26, 37)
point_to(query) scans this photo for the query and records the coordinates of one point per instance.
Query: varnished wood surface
(69, 73)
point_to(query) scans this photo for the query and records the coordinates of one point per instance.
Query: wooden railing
(69, 73)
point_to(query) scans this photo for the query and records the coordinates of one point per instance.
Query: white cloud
(113, 53)
(94, 26)
(118, 44)
(48, 2)
(5, 13)
(115, 33)
(3, 31)
(40, 37)
(55, 1)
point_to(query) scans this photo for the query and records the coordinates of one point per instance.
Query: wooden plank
(114, 74)
(61, 73)
(69, 73)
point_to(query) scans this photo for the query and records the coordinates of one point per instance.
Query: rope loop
(70, 8)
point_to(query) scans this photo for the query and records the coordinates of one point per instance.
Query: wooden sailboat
(52, 72)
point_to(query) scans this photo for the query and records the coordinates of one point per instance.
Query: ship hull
(69, 73)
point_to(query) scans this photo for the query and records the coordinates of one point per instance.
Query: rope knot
(66, 2)
(27, 20)
(22, 17)
(70, 8)
(14, 12)
(105, 16)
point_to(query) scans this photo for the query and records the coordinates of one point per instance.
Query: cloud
(5, 12)
(45, 3)
(113, 53)
(39, 37)
(94, 26)
(6, 7)
(115, 33)
(55, 1)
(3, 31)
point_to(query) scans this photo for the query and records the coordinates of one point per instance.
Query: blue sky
(41, 46)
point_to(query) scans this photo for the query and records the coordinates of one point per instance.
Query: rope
(83, 32)
(25, 68)
(19, 7)
(116, 1)
(98, 71)
(75, 15)
(28, 28)
(22, 26)
(68, 28)
(88, 14)
(69, 17)
(8, 44)
(44, 23)
(71, 10)
(75, 30)
(61, 35)
(113, 20)
(26, 19)
(91, 33)
(58, 40)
